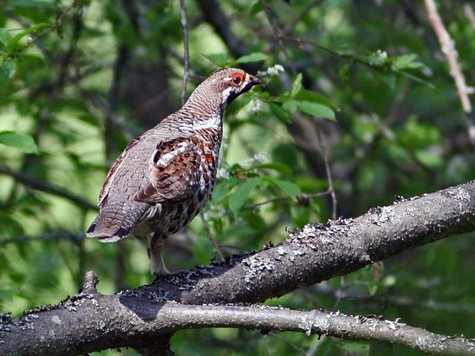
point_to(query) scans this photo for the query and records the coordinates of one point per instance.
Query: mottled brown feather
(111, 174)
(175, 179)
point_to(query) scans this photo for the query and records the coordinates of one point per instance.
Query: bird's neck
(207, 112)
(203, 105)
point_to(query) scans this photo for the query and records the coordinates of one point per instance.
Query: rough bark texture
(90, 321)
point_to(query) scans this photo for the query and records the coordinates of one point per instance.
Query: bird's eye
(237, 78)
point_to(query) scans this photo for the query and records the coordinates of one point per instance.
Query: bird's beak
(250, 82)
(254, 80)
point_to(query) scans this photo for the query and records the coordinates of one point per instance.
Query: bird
(164, 177)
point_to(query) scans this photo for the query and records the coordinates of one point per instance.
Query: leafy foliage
(80, 79)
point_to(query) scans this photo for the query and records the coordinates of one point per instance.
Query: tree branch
(47, 188)
(57, 235)
(127, 319)
(221, 24)
(213, 13)
(448, 49)
(90, 321)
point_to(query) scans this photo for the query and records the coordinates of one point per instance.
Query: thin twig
(69, 55)
(98, 102)
(305, 10)
(467, 9)
(328, 173)
(56, 25)
(277, 35)
(211, 236)
(215, 16)
(45, 237)
(301, 197)
(356, 59)
(186, 69)
(283, 339)
(448, 49)
(47, 188)
(319, 340)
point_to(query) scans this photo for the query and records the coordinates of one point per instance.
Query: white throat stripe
(213, 121)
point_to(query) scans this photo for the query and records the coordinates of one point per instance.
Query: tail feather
(114, 222)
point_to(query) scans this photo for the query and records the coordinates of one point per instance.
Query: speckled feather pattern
(163, 178)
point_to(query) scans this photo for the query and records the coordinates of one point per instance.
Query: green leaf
(430, 159)
(220, 59)
(361, 348)
(220, 192)
(290, 106)
(239, 197)
(255, 9)
(406, 61)
(309, 95)
(14, 41)
(276, 166)
(21, 141)
(316, 109)
(389, 79)
(296, 86)
(290, 188)
(8, 70)
(47, 4)
(344, 71)
(253, 57)
(278, 110)
(4, 36)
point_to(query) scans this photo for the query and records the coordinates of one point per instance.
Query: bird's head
(228, 83)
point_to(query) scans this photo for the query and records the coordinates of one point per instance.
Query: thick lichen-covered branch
(114, 321)
(90, 321)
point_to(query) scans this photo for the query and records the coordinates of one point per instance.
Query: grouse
(163, 178)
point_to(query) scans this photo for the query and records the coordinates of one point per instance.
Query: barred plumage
(163, 178)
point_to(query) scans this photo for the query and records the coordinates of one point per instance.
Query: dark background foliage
(364, 93)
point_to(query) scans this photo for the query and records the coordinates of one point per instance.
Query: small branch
(211, 236)
(277, 35)
(98, 102)
(467, 9)
(186, 70)
(323, 148)
(44, 237)
(68, 56)
(76, 6)
(304, 12)
(213, 14)
(301, 198)
(448, 49)
(47, 188)
(47, 87)
(313, 322)
(112, 100)
(138, 321)
(120, 67)
(90, 282)
(278, 337)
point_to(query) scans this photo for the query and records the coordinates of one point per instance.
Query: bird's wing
(111, 175)
(174, 172)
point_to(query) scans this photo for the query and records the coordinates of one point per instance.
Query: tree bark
(90, 321)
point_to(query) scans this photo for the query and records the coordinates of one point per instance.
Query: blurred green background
(362, 85)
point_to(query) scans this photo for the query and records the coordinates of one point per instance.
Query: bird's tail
(114, 222)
